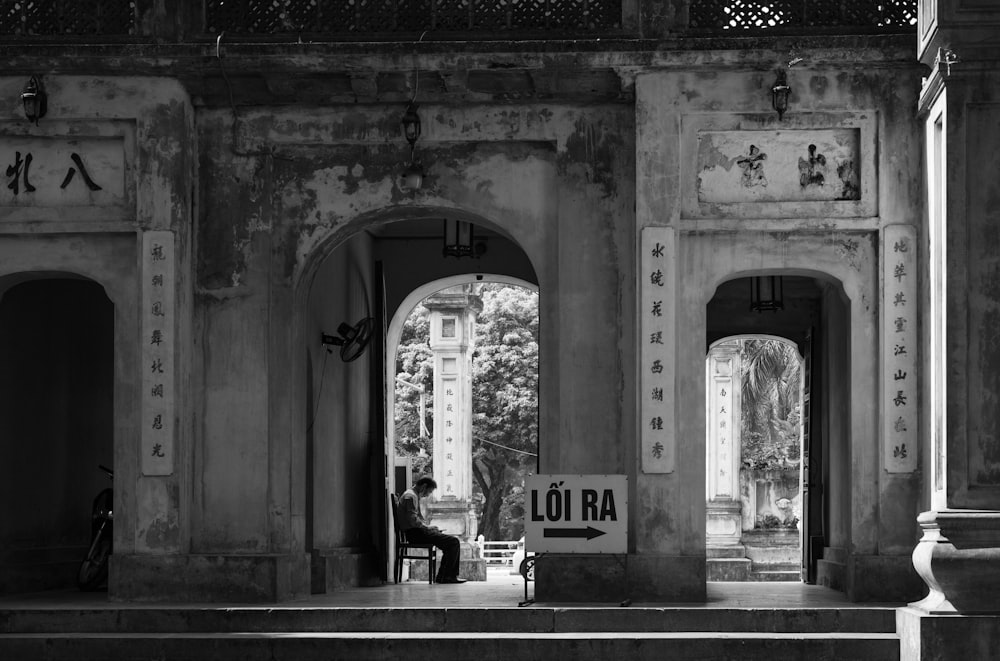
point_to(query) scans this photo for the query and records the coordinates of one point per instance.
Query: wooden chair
(408, 550)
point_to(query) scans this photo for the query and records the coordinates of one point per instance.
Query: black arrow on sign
(587, 532)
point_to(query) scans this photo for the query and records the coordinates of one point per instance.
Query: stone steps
(450, 620)
(775, 575)
(306, 633)
(365, 646)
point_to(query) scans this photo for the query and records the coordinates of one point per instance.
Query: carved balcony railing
(406, 20)
(346, 18)
(60, 18)
(803, 16)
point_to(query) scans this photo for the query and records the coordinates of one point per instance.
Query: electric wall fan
(352, 340)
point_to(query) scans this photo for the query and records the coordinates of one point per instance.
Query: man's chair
(408, 550)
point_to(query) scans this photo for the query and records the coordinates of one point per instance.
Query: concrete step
(775, 574)
(364, 646)
(294, 620)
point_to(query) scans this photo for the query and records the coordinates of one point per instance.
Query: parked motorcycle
(94, 568)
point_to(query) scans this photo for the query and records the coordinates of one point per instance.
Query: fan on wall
(352, 340)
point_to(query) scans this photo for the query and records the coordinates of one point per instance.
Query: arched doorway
(346, 454)
(57, 392)
(479, 437)
(815, 318)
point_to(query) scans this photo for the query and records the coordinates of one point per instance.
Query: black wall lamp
(779, 94)
(766, 293)
(413, 176)
(34, 99)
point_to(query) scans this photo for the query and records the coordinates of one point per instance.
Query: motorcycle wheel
(94, 568)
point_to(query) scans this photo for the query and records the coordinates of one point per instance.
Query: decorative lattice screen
(67, 17)
(343, 17)
(765, 14)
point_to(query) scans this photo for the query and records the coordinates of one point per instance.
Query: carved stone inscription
(58, 172)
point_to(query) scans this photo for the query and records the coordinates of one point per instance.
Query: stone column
(452, 339)
(726, 556)
(958, 556)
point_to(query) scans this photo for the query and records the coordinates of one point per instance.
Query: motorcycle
(94, 568)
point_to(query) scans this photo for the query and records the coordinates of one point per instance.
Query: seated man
(411, 522)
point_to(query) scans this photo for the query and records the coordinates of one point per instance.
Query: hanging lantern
(458, 239)
(766, 293)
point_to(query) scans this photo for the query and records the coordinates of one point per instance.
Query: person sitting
(412, 522)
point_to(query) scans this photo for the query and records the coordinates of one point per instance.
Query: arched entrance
(472, 349)
(815, 318)
(57, 393)
(345, 454)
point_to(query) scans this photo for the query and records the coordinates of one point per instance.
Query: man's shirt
(409, 511)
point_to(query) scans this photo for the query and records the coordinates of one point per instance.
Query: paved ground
(500, 590)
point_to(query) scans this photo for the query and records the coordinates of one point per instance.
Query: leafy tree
(505, 406)
(770, 414)
(415, 366)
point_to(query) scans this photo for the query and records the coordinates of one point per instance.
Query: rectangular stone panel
(754, 166)
(779, 166)
(75, 172)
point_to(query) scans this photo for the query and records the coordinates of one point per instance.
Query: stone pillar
(958, 556)
(726, 557)
(452, 339)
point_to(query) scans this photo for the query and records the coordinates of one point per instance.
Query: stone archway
(368, 268)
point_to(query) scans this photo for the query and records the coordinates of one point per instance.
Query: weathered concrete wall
(340, 427)
(552, 179)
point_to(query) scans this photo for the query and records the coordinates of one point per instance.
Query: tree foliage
(771, 390)
(415, 366)
(505, 406)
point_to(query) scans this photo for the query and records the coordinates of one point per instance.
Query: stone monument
(452, 339)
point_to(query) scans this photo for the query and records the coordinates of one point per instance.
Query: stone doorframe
(110, 262)
(843, 258)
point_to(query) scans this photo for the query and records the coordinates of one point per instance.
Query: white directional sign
(576, 514)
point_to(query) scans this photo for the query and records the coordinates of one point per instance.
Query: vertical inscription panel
(722, 460)
(158, 353)
(450, 434)
(656, 354)
(899, 339)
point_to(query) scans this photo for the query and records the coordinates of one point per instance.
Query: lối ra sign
(576, 514)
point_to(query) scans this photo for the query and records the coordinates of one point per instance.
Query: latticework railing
(29, 18)
(881, 15)
(357, 17)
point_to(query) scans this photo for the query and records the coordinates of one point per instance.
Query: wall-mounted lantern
(413, 176)
(766, 293)
(779, 94)
(34, 99)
